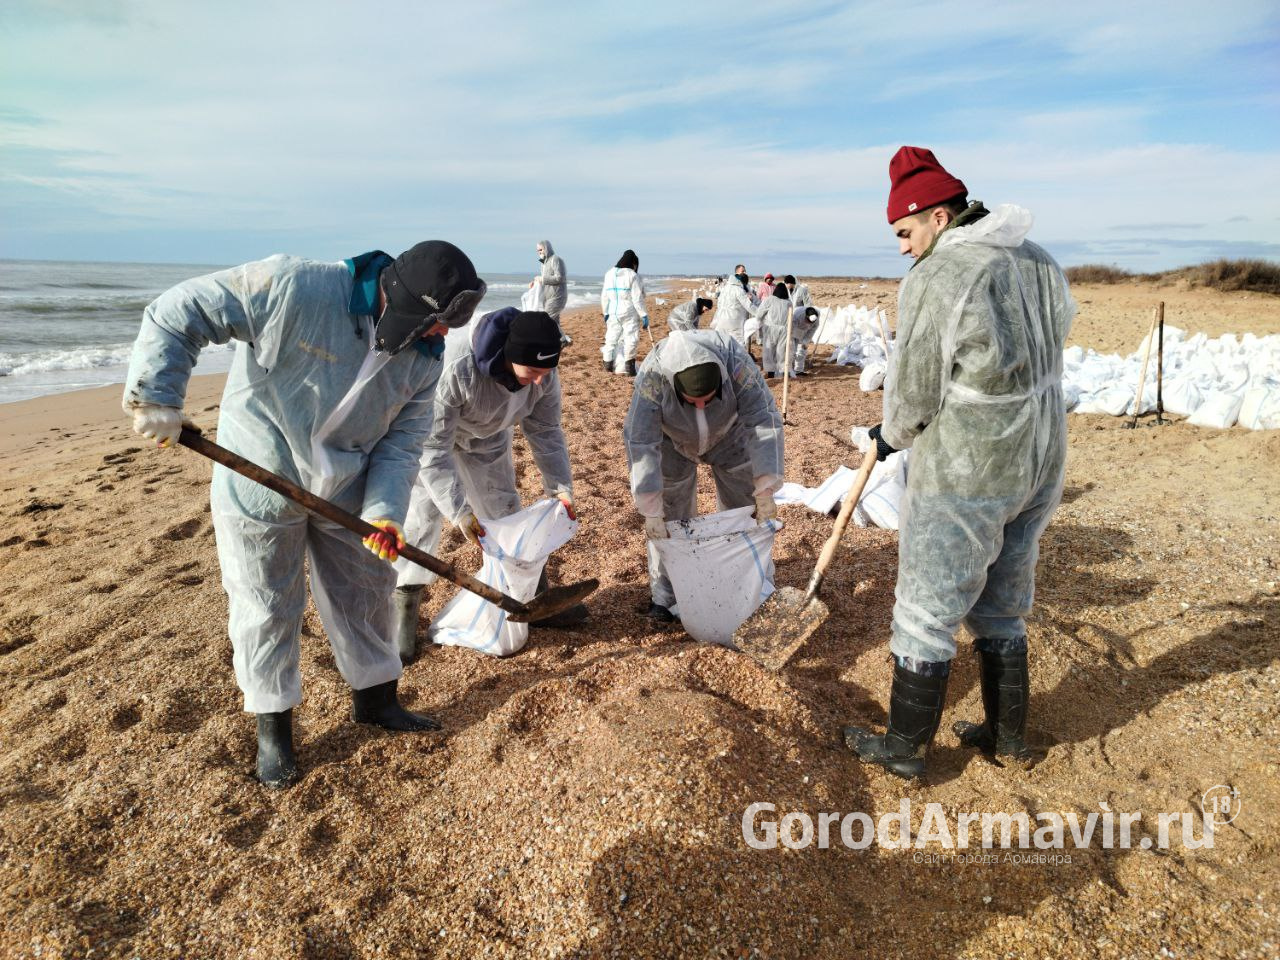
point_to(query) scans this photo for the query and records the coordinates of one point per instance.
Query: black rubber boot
(915, 710)
(1006, 689)
(660, 614)
(404, 620)
(277, 764)
(575, 615)
(608, 365)
(631, 368)
(380, 706)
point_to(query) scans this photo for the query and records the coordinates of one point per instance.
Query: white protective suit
(733, 306)
(739, 434)
(466, 458)
(684, 317)
(772, 317)
(803, 331)
(555, 285)
(974, 389)
(298, 355)
(622, 303)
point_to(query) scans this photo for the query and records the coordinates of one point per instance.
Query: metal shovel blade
(782, 623)
(555, 600)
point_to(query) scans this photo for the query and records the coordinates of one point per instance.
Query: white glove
(161, 424)
(766, 508)
(567, 500)
(470, 526)
(655, 528)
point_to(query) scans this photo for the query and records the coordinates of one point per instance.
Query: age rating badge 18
(1220, 804)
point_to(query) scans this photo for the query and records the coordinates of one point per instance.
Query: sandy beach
(586, 796)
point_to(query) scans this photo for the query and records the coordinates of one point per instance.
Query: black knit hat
(698, 380)
(533, 340)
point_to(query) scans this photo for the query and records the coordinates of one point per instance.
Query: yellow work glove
(470, 526)
(655, 528)
(766, 508)
(388, 544)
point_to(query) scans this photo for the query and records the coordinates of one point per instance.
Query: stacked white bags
(858, 333)
(1214, 382)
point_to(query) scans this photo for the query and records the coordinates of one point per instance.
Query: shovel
(546, 604)
(789, 617)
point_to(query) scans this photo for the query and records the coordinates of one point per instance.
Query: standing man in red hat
(975, 390)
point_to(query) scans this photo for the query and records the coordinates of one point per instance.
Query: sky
(1144, 135)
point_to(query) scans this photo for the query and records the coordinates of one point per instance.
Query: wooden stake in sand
(1146, 357)
(1160, 421)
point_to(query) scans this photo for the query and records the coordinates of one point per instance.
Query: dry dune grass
(586, 797)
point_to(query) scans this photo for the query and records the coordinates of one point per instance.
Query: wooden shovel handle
(842, 522)
(192, 439)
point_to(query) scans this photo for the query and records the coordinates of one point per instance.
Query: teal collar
(365, 270)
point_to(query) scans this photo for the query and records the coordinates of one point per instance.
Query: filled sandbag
(872, 377)
(515, 551)
(1113, 401)
(1182, 398)
(881, 502)
(721, 570)
(1260, 408)
(1219, 410)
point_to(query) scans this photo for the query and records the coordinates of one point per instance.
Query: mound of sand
(587, 795)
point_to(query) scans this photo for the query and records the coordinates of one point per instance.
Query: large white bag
(872, 377)
(1260, 409)
(1113, 401)
(881, 502)
(515, 550)
(532, 298)
(1218, 410)
(721, 570)
(1181, 398)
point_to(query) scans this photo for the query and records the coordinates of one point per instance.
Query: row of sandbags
(861, 337)
(1213, 382)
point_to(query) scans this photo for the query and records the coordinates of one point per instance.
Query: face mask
(542, 258)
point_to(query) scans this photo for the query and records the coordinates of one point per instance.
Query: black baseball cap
(431, 282)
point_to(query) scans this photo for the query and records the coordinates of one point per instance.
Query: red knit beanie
(917, 182)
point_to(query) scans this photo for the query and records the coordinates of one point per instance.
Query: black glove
(882, 449)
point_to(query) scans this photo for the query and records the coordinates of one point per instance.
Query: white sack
(1181, 398)
(1112, 401)
(532, 299)
(1218, 410)
(881, 502)
(872, 377)
(721, 570)
(515, 551)
(1260, 409)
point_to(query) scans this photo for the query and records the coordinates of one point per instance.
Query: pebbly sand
(586, 798)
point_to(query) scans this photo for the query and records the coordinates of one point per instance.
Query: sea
(67, 326)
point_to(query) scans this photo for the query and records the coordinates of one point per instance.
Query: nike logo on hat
(548, 356)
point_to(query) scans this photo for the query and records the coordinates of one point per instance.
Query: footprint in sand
(122, 718)
(182, 531)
